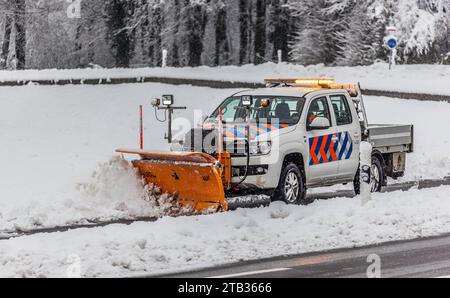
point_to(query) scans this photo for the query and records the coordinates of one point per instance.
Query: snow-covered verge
(428, 79)
(185, 243)
(58, 143)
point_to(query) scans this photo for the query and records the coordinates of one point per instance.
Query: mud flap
(194, 179)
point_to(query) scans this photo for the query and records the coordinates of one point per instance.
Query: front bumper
(263, 174)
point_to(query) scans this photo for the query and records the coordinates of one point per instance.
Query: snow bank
(175, 244)
(430, 79)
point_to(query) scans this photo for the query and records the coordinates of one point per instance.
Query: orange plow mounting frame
(194, 179)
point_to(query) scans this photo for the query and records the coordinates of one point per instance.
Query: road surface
(424, 258)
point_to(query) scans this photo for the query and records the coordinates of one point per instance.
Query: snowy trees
(350, 32)
(212, 32)
(123, 33)
(424, 29)
(320, 28)
(15, 18)
(362, 39)
(345, 32)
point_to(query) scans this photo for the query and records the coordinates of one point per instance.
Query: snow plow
(195, 180)
(274, 142)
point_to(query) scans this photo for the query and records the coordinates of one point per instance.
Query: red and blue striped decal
(324, 149)
(241, 131)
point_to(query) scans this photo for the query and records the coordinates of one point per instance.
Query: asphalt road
(206, 83)
(424, 258)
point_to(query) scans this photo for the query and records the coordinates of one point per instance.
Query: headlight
(260, 148)
(265, 148)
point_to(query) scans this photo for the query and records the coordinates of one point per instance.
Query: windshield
(284, 110)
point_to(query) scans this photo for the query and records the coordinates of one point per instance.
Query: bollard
(365, 170)
(164, 58)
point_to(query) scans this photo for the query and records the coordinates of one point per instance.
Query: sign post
(391, 42)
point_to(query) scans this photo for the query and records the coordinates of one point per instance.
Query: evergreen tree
(117, 14)
(363, 39)
(20, 32)
(278, 29)
(424, 30)
(221, 34)
(318, 40)
(260, 32)
(246, 24)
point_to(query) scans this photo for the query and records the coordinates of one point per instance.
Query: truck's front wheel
(292, 189)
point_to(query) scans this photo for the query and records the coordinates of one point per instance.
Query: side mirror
(320, 123)
(203, 120)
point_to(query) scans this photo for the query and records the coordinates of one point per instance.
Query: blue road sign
(392, 43)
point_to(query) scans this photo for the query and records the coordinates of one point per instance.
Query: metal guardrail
(208, 83)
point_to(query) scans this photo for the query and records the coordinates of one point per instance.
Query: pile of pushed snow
(115, 191)
(117, 184)
(188, 243)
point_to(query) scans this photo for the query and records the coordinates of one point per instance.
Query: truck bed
(391, 138)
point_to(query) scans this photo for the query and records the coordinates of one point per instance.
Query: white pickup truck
(298, 134)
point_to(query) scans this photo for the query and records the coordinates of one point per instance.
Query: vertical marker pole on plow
(220, 144)
(141, 129)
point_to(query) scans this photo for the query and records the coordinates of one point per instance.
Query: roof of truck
(282, 91)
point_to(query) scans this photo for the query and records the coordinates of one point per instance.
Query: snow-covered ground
(429, 79)
(58, 145)
(174, 244)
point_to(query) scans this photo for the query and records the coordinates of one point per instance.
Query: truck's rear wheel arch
(378, 155)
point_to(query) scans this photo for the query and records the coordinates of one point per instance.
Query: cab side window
(318, 108)
(341, 110)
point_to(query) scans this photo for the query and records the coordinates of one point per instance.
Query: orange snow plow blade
(194, 179)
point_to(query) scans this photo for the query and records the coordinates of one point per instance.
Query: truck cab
(306, 134)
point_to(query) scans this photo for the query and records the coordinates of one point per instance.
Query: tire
(377, 176)
(357, 184)
(291, 188)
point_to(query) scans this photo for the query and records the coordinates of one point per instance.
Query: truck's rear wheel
(292, 188)
(377, 174)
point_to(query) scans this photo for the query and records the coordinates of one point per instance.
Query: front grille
(237, 148)
(205, 140)
(252, 170)
(201, 140)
